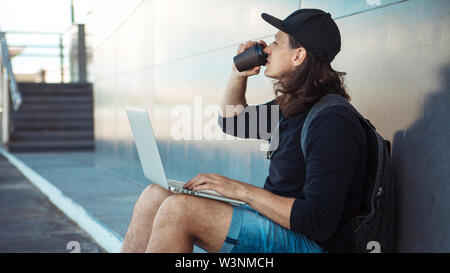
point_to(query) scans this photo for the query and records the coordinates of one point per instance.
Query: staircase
(53, 117)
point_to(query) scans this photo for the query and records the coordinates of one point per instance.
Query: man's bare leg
(183, 220)
(144, 212)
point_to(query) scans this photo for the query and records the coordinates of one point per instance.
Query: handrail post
(16, 98)
(5, 105)
(61, 57)
(82, 54)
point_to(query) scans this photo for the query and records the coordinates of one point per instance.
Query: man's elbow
(323, 234)
(320, 227)
(326, 227)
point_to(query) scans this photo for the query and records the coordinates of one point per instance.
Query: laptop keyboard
(175, 184)
(179, 185)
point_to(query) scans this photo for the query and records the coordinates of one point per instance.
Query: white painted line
(104, 236)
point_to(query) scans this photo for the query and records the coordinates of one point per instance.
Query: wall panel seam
(119, 25)
(368, 10)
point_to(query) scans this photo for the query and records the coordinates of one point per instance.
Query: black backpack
(374, 227)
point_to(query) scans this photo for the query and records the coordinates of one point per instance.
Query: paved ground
(30, 223)
(107, 196)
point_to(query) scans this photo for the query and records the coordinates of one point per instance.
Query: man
(306, 203)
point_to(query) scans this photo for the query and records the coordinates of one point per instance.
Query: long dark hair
(301, 88)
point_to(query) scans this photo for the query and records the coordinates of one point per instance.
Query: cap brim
(274, 21)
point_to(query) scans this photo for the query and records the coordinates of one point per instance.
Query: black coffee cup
(250, 58)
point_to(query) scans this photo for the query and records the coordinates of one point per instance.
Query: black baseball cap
(314, 29)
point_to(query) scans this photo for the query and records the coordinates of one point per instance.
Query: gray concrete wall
(155, 56)
(396, 54)
(398, 62)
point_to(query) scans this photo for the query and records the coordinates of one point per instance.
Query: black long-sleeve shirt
(327, 185)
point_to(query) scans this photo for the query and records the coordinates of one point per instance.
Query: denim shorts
(251, 232)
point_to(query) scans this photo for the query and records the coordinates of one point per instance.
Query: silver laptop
(151, 160)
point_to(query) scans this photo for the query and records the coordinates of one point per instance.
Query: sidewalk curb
(104, 236)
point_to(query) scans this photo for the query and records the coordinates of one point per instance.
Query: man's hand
(273, 206)
(245, 74)
(227, 187)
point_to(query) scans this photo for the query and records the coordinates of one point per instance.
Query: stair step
(62, 124)
(60, 145)
(56, 107)
(52, 135)
(33, 115)
(55, 87)
(38, 99)
(54, 84)
(60, 91)
(53, 117)
(51, 92)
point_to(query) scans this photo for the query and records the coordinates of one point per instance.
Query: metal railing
(59, 45)
(8, 88)
(16, 98)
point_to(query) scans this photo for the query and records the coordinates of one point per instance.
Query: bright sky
(32, 15)
(37, 15)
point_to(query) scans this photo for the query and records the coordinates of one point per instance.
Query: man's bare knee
(154, 191)
(152, 197)
(176, 209)
(144, 212)
(177, 204)
(206, 221)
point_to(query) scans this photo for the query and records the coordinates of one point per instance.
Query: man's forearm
(234, 95)
(275, 207)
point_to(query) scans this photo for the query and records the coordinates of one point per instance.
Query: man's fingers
(255, 70)
(194, 184)
(249, 44)
(262, 42)
(191, 181)
(240, 48)
(206, 186)
(244, 46)
(197, 180)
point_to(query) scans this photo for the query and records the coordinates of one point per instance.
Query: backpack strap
(333, 100)
(324, 102)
